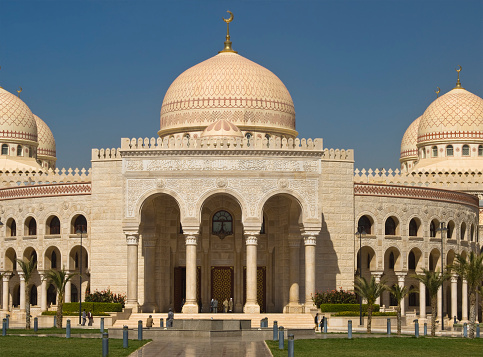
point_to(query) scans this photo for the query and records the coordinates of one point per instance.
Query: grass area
(382, 347)
(49, 331)
(13, 346)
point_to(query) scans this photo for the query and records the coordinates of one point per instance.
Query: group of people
(169, 320)
(86, 316)
(227, 306)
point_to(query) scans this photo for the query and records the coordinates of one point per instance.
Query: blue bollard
(280, 338)
(349, 329)
(102, 324)
(67, 329)
(8, 321)
(388, 326)
(55, 321)
(290, 346)
(140, 330)
(477, 330)
(275, 330)
(465, 330)
(325, 324)
(125, 337)
(425, 329)
(161, 322)
(36, 324)
(4, 327)
(105, 344)
(416, 328)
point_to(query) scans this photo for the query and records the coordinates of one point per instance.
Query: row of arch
(392, 227)
(52, 226)
(51, 294)
(20, 150)
(449, 150)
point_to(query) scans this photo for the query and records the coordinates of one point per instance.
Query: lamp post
(81, 229)
(360, 232)
(442, 228)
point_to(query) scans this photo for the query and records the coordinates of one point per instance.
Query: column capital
(191, 238)
(401, 275)
(454, 278)
(310, 240)
(6, 276)
(377, 274)
(21, 275)
(251, 238)
(132, 238)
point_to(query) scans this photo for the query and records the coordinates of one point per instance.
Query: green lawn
(51, 330)
(382, 347)
(57, 346)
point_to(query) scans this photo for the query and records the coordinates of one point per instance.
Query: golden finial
(437, 92)
(458, 83)
(19, 90)
(228, 42)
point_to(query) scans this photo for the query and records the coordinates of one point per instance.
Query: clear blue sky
(359, 72)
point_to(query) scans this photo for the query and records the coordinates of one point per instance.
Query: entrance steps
(293, 321)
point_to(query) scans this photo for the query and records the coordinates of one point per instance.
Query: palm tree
(369, 290)
(59, 278)
(28, 267)
(470, 270)
(399, 294)
(433, 280)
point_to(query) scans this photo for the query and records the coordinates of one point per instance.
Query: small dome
(409, 149)
(46, 148)
(17, 122)
(227, 86)
(454, 117)
(222, 129)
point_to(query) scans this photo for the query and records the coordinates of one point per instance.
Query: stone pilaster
(422, 300)
(5, 279)
(464, 300)
(132, 241)
(454, 295)
(191, 305)
(251, 305)
(401, 277)
(21, 275)
(377, 277)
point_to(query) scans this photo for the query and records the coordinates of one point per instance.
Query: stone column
(422, 300)
(454, 295)
(150, 304)
(401, 276)
(310, 242)
(132, 240)
(22, 290)
(251, 304)
(6, 279)
(43, 291)
(68, 291)
(440, 305)
(377, 277)
(191, 305)
(464, 300)
(294, 292)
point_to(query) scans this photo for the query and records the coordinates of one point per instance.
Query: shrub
(353, 313)
(334, 297)
(71, 313)
(345, 308)
(105, 296)
(94, 307)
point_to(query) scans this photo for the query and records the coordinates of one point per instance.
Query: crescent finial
(19, 90)
(230, 19)
(227, 41)
(437, 92)
(458, 83)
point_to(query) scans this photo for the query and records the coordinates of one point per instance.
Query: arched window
(435, 151)
(432, 230)
(449, 150)
(222, 224)
(413, 298)
(472, 233)
(4, 149)
(32, 227)
(76, 261)
(466, 150)
(480, 150)
(364, 224)
(413, 228)
(463, 231)
(13, 228)
(54, 226)
(53, 260)
(80, 224)
(390, 227)
(423, 153)
(412, 261)
(449, 232)
(51, 295)
(19, 150)
(391, 260)
(33, 295)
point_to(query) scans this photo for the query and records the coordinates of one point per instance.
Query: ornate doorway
(261, 287)
(222, 284)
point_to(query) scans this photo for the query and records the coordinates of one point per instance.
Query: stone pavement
(214, 347)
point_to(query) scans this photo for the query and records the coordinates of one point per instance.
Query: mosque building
(228, 202)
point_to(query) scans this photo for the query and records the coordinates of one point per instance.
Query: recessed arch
(463, 231)
(223, 192)
(366, 223)
(52, 258)
(450, 232)
(415, 261)
(11, 227)
(293, 195)
(30, 253)
(392, 259)
(30, 226)
(391, 226)
(10, 259)
(75, 258)
(369, 261)
(450, 257)
(79, 223)
(414, 227)
(52, 225)
(434, 260)
(433, 228)
(151, 194)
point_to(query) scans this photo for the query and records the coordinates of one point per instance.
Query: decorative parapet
(420, 193)
(57, 176)
(67, 189)
(106, 154)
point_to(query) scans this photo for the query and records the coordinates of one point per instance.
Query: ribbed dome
(228, 86)
(455, 116)
(409, 149)
(46, 148)
(16, 120)
(222, 129)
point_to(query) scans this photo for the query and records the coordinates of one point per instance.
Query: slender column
(191, 305)
(294, 293)
(68, 291)
(251, 305)
(5, 279)
(377, 278)
(454, 295)
(310, 242)
(400, 280)
(440, 305)
(132, 240)
(422, 300)
(464, 300)
(22, 291)
(43, 291)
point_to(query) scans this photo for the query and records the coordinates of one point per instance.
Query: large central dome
(231, 87)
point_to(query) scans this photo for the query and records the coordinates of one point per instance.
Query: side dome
(456, 116)
(227, 86)
(46, 148)
(17, 122)
(409, 150)
(222, 129)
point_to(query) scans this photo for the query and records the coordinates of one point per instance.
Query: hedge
(353, 313)
(50, 313)
(94, 307)
(345, 307)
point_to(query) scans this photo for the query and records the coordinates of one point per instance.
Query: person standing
(149, 321)
(230, 305)
(169, 320)
(84, 317)
(91, 319)
(316, 320)
(225, 306)
(215, 306)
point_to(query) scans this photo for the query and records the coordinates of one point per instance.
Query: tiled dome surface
(409, 140)
(16, 119)
(46, 139)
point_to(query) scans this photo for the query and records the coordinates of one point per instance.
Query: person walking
(84, 317)
(316, 320)
(91, 319)
(225, 306)
(169, 320)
